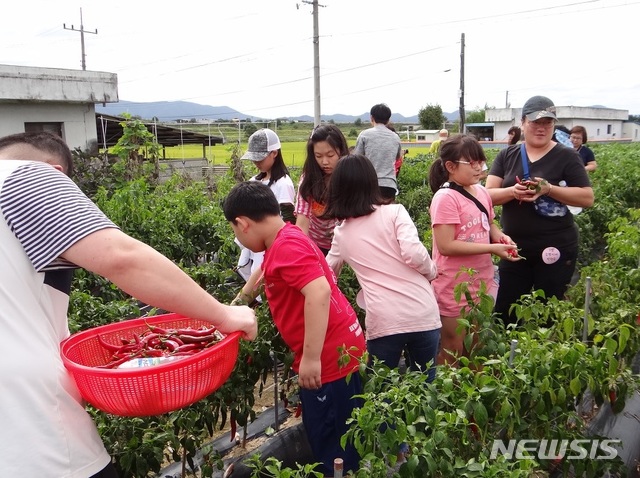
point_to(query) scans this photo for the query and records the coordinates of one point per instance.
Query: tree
(136, 144)
(249, 129)
(431, 117)
(477, 115)
(358, 122)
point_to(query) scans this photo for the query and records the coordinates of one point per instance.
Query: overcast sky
(256, 56)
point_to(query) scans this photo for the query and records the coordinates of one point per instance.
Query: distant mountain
(166, 111)
(170, 110)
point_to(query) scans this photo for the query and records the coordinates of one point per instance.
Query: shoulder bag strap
(468, 195)
(525, 162)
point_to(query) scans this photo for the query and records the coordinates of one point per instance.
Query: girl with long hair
(265, 151)
(326, 145)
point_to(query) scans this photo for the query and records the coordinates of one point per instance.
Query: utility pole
(82, 32)
(461, 92)
(316, 62)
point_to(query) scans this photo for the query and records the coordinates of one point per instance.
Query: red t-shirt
(293, 261)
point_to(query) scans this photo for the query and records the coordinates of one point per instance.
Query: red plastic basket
(139, 392)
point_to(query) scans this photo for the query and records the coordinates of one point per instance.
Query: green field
(293, 137)
(294, 152)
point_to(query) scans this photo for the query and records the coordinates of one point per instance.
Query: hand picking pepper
(513, 253)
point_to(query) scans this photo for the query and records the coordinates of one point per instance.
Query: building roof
(110, 131)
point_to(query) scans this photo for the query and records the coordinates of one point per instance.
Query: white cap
(261, 143)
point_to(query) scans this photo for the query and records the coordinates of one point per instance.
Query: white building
(631, 130)
(602, 124)
(56, 100)
(426, 135)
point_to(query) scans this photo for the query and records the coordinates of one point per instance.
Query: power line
(553, 10)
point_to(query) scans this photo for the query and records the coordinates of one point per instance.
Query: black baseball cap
(538, 107)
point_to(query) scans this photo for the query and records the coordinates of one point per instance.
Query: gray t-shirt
(382, 147)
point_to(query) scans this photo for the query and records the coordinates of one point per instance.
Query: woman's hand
(522, 193)
(531, 189)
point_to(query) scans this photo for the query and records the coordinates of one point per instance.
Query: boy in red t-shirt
(313, 316)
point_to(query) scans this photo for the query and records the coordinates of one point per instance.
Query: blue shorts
(324, 414)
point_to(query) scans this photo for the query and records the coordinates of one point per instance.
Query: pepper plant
(450, 423)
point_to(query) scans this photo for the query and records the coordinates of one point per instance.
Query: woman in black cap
(534, 182)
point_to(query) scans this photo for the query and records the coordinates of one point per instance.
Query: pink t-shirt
(292, 261)
(393, 268)
(471, 225)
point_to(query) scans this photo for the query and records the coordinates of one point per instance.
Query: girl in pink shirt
(464, 234)
(381, 244)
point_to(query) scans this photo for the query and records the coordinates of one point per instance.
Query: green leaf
(567, 325)
(492, 362)
(487, 389)
(575, 386)
(611, 346)
(480, 414)
(625, 333)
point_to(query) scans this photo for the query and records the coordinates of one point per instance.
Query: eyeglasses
(474, 164)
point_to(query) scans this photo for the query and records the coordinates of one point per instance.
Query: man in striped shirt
(48, 227)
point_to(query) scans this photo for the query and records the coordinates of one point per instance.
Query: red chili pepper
(107, 345)
(121, 360)
(153, 343)
(158, 330)
(170, 344)
(196, 332)
(177, 339)
(474, 428)
(555, 463)
(128, 349)
(612, 397)
(146, 338)
(194, 339)
(187, 348)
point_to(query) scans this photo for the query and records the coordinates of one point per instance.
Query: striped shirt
(47, 213)
(42, 214)
(320, 230)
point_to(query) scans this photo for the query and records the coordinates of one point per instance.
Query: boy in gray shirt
(382, 147)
